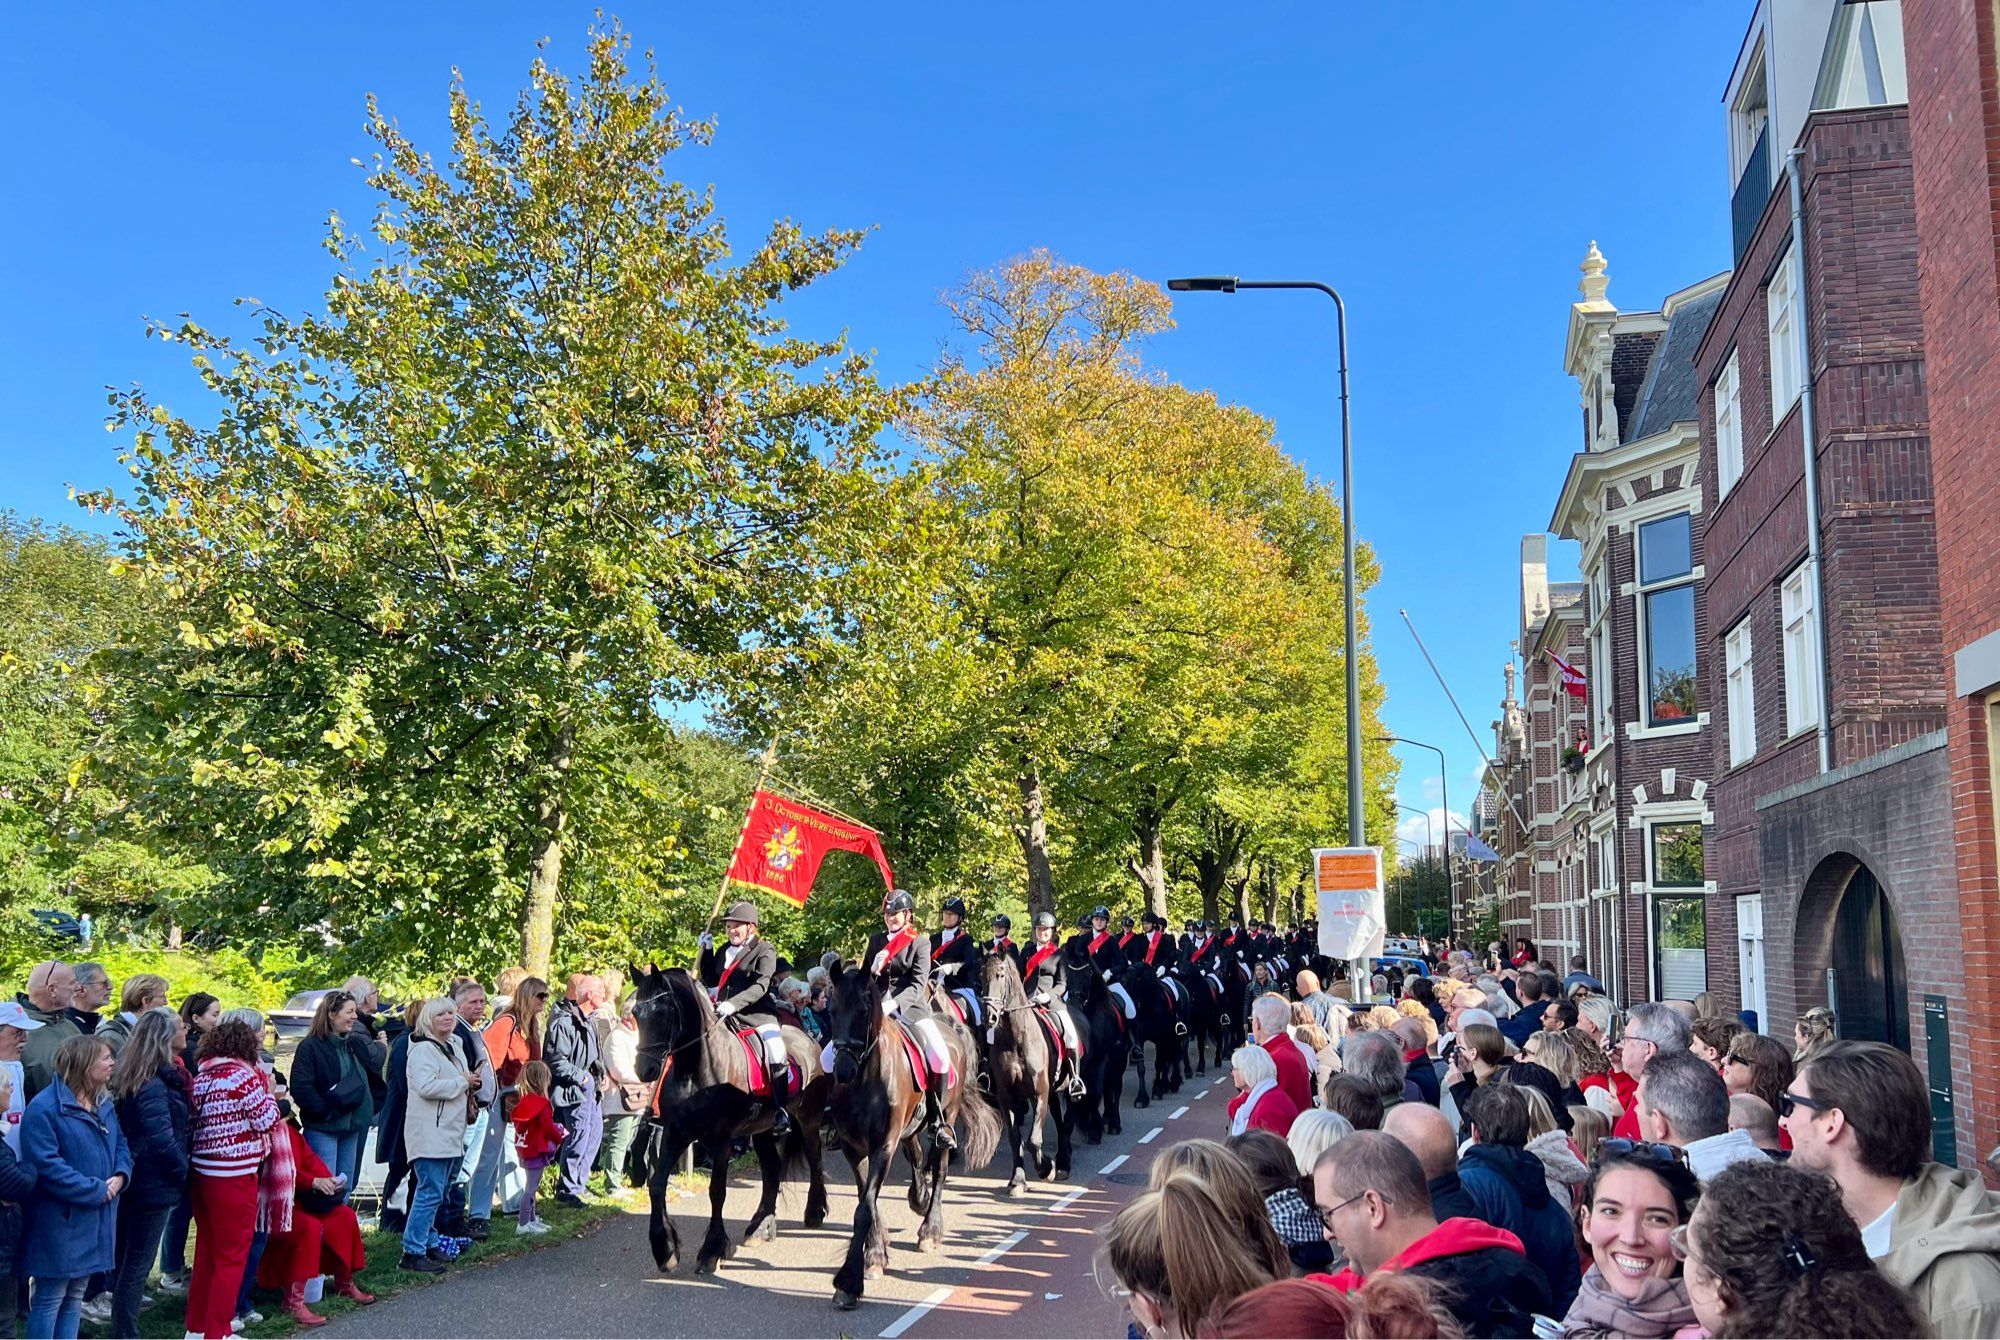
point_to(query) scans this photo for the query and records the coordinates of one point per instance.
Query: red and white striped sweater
(233, 1116)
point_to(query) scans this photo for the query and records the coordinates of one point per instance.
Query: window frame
(1799, 650)
(1740, 690)
(1653, 878)
(1727, 416)
(1645, 591)
(1597, 637)
(1782, 318)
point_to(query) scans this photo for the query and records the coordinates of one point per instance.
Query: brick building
(1828, 856)
(1954, 99)
(1635, 794)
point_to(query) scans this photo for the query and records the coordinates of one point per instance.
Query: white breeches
(968, 999)
(1066, 1025)
(930, 1041)
(774, 1044)
(1125, 1000)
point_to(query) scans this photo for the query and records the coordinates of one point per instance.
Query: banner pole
(770, 763)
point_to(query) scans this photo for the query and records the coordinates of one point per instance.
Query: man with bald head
(51, 991)
(1428, 1134)
(1320, 1005)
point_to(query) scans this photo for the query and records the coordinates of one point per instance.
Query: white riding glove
(891, 1007)
(705, 940)
(724, 1010)
(1159, 972)
(1107, 974)
(1039, 998)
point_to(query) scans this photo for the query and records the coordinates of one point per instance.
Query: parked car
(62, 925)
(294, 1018)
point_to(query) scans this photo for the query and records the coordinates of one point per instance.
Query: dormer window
(1864, 58)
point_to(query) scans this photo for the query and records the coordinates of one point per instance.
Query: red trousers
(225, 1219)
(328, 1244)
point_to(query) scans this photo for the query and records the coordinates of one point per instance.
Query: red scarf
(1035, 960)
(1152, 946)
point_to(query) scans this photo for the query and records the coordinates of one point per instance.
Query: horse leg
(764, 1223)
(930, 1233)
(716, 1245)
(1114, 1097)
(858, 1264)
(1139, 1060)
(1038, 1111)
(666, 1242)
(913, 1150)
(809, 1134)
(1065, 1114)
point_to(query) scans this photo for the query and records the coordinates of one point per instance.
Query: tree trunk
(1212, 865)
(538, 917)
(1239, 896)
(1151, 865)
(1033, 831)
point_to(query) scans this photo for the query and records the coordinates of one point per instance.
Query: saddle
(760, 1077)
(920, 1074)
(1058, 1050)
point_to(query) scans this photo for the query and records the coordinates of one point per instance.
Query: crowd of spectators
(129, 1130)
(1504, 1152)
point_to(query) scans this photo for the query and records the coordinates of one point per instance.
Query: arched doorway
(1871, 991)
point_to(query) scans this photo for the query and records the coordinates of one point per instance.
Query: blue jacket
(69, 1228)
(1512, 1192)
(1525, 1024)
(158, 1122)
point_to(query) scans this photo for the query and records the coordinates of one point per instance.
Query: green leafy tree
(549, 463)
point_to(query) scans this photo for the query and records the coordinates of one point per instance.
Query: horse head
(1000, 985)
(671, 1012)
(854, 1018)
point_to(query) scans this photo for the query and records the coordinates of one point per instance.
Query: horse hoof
(1142, 1101)
(872, 1273)
(815, 1220)
(766, 1231)
(1062, 1174)
(845, 1301)
(1016, 1190)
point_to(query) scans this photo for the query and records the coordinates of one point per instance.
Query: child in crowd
(537, 1136)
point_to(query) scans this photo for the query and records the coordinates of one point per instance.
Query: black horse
(1107, 1050)
(701, 1095)
(1208, 1009)
(1159, 1023)
(1022, 1069)
(876, 1107)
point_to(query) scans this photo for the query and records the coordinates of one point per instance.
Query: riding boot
(781, 1120)
(934, 1114)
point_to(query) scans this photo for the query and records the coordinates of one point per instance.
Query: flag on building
(784, 841)
(1574, 682)
(1478, 850)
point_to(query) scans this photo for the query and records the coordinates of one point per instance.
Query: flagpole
(804, 794)
(770, 764)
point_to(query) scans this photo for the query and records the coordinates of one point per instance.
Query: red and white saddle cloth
(920, 1073)
(760, 1075)
(1059, 1050)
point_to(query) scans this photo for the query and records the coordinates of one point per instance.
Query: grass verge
(166, 1319)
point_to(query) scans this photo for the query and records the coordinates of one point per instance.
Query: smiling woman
(1631, 1205)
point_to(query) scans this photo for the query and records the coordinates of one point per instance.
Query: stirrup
(1180, 1029)
(1077, 1088)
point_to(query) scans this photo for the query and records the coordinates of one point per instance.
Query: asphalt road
(1008, 1267)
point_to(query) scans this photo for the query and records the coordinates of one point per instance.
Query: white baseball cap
(13, 1016)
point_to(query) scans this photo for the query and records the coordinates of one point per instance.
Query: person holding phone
(324, 1239)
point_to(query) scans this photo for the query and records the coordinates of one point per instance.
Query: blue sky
(1444, 165)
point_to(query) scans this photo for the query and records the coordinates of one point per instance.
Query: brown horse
(701, 1095)
(876, 1107)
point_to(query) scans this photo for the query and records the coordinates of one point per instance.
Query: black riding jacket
(1051, 975)
(748, 987)
(961, 953)
(906, 976)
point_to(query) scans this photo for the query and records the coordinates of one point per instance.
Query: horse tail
(982, 1126)
(792, 1156)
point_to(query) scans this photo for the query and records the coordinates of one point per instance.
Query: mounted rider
(899, 957)
(1106, 954)
(739, 981)
(1046, 978)
(1002, 940)
(955, 960)
(1156, 948)
(1126, 935)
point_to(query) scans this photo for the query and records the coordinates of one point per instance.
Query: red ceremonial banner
(783, 843)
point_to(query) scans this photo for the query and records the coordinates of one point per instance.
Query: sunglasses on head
(1618, 1147)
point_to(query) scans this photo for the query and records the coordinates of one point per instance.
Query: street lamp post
(1431, 830)
(1444, 799)
(1357, 828)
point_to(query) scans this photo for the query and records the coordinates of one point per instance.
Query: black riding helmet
(1125, 922)
(954, 905)
(1001, 922)
(1083, 922)
(899, 901)
(1100, 911)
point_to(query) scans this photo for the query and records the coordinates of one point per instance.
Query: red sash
(723, 980)
(897, 944)
(1003, 943)
(1194, 955)
(1125, 939)
(1098, 943)
(1035, 961)
(943, 944)
(1152, 946)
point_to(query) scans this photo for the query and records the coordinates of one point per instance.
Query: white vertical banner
(1352, 920)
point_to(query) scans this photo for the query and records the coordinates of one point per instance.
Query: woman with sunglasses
(1755, 1064)
(1635, 1198)
(1773, 1251)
